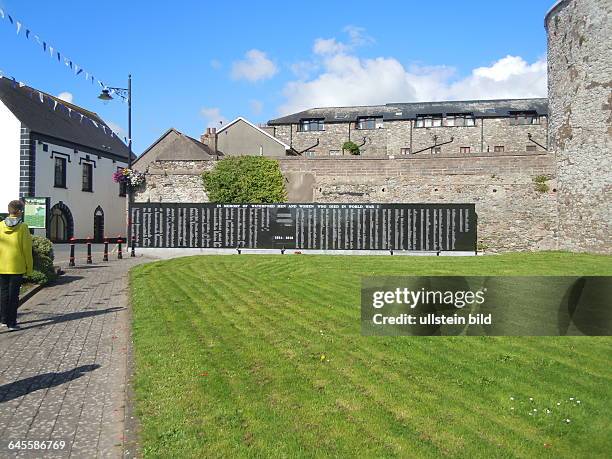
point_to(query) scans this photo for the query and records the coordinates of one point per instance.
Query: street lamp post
(126, 94)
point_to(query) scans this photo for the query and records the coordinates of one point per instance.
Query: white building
(50, 148)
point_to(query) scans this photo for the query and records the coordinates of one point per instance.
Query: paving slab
(63, 376)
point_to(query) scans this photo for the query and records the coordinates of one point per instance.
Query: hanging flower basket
(130, 177)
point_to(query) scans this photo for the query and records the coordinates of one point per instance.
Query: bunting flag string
(54, 104)
(77, 70)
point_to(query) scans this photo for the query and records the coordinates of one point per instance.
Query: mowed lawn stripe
(308, 389)
(381, 382)
(254, 323)
(243, 280)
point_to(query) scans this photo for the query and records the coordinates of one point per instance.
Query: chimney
(210, 139)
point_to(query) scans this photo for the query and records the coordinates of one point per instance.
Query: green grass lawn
(261, 356)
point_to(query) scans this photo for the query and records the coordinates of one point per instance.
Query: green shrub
(42, 253)
(245, 179)
(540, 183)
(351, 147)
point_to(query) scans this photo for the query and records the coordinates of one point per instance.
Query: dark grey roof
(44, 118)
(408, 111)
(173, 145)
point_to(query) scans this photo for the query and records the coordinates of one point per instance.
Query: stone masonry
(174, 181)
(580, 95)
(395, 135)
(512, 214)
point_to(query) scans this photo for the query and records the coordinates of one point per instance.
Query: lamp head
(105, 95)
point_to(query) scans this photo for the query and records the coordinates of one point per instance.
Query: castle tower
(580, 110)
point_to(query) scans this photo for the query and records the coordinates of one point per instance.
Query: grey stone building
(462, 127)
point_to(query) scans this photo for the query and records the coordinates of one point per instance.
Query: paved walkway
(63, 376)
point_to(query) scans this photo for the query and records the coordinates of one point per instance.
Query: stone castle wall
(174, 181)
(580, 109)
(512, 215)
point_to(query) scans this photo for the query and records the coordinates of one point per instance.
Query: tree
(245, 179)
(351, 147)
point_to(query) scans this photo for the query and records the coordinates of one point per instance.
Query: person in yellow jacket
(15, 261)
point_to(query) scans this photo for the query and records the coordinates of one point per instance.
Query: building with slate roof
(395, 129)
(54, 149)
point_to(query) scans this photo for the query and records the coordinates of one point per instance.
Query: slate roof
(409, 111)
(41, 117)
(177, 147)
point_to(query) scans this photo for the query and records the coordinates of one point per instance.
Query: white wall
(82, 204)
(10, 133)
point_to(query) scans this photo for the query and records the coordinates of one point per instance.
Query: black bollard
(89, 251)
(119, 251)
(105, 258)
(71, 262)
(133, 251)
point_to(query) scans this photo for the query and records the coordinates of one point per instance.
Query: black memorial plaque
(416, 227)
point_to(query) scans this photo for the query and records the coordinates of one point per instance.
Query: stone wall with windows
(393, 136)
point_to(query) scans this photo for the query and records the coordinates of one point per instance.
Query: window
(310, 153)
(335, 152)
(437, 150)
(87, 177)
(428, 121)
(404, 151)
(498, 148)
(122, 185)
(462, 119)
(370, 123)
(311, 125)
(524, 118)
(531, 148)
(60, 172)
(464, 149)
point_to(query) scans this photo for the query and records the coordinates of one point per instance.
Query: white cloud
(346, 79)
(66, 96)
(324, 46)
(213, 117)
(254, 67)
(357, 36)
(256, 106)
(216, 64)
(304, 69)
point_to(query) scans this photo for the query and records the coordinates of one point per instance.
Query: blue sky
(195, 63)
